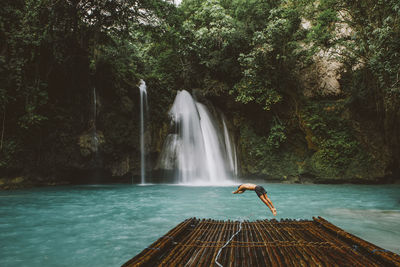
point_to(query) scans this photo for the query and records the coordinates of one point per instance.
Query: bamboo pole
(148, 254)
(371, 250)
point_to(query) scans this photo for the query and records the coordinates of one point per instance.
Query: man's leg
(268, 202)
(271, 205)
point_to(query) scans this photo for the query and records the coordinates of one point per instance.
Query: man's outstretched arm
(238, 191)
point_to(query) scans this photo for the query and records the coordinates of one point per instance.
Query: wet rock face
(127, 104)
(322, 77)
(121, 167)
(89, 142)
(10, 183)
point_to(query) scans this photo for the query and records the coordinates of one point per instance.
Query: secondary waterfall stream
(197, 150)
(95, 139)
(143, 101)
(230, 149)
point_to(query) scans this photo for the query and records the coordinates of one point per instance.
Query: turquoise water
(107, 225)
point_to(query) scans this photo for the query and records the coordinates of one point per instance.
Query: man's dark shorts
(260, 190)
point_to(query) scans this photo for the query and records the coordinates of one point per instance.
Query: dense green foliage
(249, 57)
(54, 55)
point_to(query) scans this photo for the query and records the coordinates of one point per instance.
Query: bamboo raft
(196, 242)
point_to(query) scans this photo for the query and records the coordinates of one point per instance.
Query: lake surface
(106, 225)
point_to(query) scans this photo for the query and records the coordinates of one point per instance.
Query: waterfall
(196, 149)
(143, 102)
(230, 149)
(95, 139)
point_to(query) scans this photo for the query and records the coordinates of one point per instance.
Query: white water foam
(197, 150)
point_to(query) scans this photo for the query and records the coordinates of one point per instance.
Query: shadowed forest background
(310, 89)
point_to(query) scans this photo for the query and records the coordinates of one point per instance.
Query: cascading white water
(230, 149)
(214, 156)
(143, 101)
(196, 150)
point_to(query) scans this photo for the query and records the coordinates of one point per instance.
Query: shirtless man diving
(261, 193)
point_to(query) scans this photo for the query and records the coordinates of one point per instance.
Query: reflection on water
(107, 225)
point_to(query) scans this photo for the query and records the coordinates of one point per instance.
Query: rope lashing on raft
(230, 239)
(169, 237)
(383, 250)
(153, 248)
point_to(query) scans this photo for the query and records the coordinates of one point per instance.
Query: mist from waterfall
(143, 102)
(197, 150)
